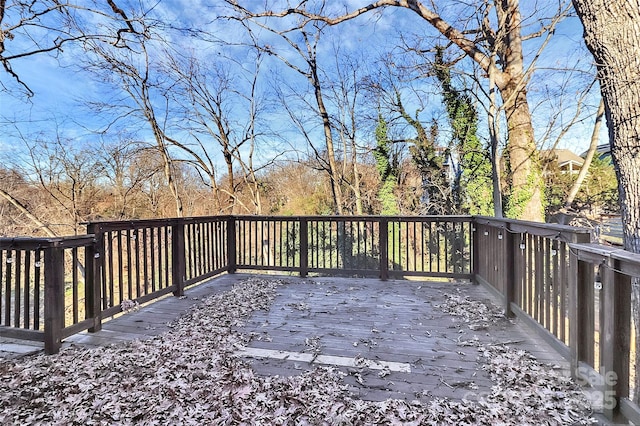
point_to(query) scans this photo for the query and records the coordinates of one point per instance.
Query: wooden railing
(576, 294)
(427, 246)
(42, 289)
(54, 287)
(530, 269)
(603, 344)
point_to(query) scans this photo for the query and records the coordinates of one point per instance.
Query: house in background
(603, 151)
(566, 161)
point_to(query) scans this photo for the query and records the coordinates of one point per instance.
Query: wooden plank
(19, 333)
(304, 247)
(556, 344)
(616, 334)
(586, 313)
(548, 255)
(510, 273)
(630, 411)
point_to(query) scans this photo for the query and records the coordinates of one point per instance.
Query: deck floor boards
(396, 321)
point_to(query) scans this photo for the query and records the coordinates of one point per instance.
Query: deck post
(231, 245)
(616, 334)
(509, 276)
(384, 249)
(178, 269)
(53, 297)
(304, 247)
(475, 251)
(93, 280)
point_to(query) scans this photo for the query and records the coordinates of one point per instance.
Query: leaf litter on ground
(190, 375)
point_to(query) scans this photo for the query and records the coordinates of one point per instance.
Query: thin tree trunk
(494, 138)
(22, 208)
(168, 166)
(356, 188)
(334, 173)
(593, 146)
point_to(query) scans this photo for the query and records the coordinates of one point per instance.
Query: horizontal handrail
(35, 243)
(53, 287)
(608, 335)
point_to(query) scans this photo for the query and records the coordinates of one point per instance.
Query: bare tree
(345, 93)
(496, 45)
(127, 169)
(29, 28)
(307, 50)
(593, 146)
(221, 104)
(66, 176)
(133, 73)
(15, 190)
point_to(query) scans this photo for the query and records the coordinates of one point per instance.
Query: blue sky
(61, 88)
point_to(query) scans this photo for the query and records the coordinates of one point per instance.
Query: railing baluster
(27, 289)
(74, 284)
(231, 245)
(168, 250)
(119, 249)
(136, 247)
(178, 257)
(145, 259)
(562, 286)
(383, 225)
(129, 268)
(304, 244)
(8, 285)
(616, 337)
(36, 288)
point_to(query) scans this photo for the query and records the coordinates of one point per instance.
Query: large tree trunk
(612, 34)
(525, 197)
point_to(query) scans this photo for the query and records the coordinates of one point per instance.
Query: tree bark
(494, 124)
(525, 199)
(612, 34)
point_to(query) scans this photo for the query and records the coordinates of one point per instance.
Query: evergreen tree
(387, 169)
(471, 186)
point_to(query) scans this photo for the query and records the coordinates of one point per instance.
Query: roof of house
(562, 156)
(603, 151)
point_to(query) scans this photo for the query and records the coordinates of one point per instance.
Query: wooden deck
(389, 337)
(393, 323)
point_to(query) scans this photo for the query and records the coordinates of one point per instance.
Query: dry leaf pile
(475, 314)
(189, 376)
